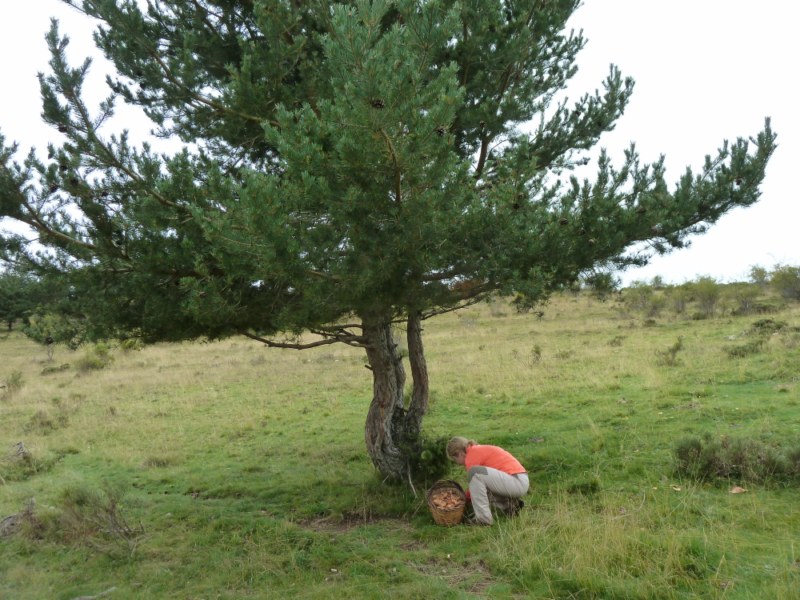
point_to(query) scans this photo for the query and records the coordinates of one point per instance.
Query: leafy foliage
(97, 356)
(706, 293)
(360, 160)
(786, 280)
(427, 459)
(345, 167)
(602, 284)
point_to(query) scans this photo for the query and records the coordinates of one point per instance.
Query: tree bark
(419, 376)
(389, 424)
(386, 411)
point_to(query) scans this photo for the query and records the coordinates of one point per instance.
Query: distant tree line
(704, 296)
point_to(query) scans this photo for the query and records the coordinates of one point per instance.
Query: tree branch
(328, 339)
(39, 225)
(442, 311)
(199, 98)
(397, 171)
(485, 141)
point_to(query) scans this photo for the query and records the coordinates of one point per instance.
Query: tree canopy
(346, 167)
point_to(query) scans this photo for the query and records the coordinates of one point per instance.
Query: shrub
(678, 299)
(637, 297)
(536, 354)
(131, 344)
(427, 459)
(744, 297)
(762, 330)
(706, 292)
(706, 459)
(97, 356)
(95, 518)
(669, 357)
(49, 328)
(747, 349)
(602, 284)
(786, 281)
(766, 327)
(759, 276)
(21, 464)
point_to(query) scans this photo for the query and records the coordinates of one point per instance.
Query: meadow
(228, 470)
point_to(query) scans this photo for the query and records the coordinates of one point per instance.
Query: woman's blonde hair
(458, 444)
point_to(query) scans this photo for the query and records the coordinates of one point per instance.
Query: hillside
(227, 470)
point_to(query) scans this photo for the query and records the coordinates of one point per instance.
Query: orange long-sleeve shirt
(495, 457)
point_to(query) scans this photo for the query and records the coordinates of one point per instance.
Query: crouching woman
(495, 477)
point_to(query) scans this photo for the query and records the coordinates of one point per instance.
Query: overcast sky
(705, 71)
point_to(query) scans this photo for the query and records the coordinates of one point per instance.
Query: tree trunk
(419, 376)
(389, 424)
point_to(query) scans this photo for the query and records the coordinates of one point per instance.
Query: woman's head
(457, 448)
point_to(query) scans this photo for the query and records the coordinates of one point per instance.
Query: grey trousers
(485, 482)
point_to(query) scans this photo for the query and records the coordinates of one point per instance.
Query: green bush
(678, 299)
(761, 330)
(97, 356)
(759, 276)
(61, 329)
(669, 357)
(706, 293)
(602, 284)
(744, 297)
(131, 344)
(786, 281)
(639, 297)
(706, 459)
(427, 459)
(746, 349)
(767, 327)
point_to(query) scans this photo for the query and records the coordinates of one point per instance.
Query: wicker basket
(452, 516)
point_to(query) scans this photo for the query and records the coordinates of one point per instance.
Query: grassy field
(227, 470)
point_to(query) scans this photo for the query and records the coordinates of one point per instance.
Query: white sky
(705, 71)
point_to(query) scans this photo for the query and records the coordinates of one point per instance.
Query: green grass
(243, 471)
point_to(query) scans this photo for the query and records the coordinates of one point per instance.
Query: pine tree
(17, 297)
(346, 168)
